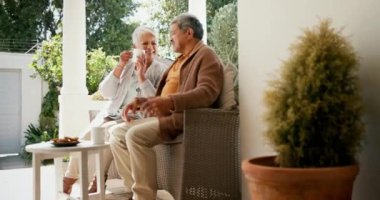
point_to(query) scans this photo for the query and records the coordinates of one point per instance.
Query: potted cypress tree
(314, 122)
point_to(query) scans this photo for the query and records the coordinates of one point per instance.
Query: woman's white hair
(141, 30)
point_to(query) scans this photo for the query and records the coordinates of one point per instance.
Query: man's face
(178, 38)
(148, 43)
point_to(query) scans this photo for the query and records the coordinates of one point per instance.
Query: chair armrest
(211, 154)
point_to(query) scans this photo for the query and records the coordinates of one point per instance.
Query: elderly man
(194, 80)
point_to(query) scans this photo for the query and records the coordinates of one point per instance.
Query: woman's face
(148, 43)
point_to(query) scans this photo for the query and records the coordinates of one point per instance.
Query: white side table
(46, 150)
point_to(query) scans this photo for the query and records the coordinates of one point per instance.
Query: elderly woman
(131, 78)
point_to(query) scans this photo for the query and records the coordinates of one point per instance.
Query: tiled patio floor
(16, 183)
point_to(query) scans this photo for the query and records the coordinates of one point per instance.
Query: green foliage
(98, 66)
(51, 20)
(213, 7)
(105, 26)
(223, 37)
(40, 20)
(315, 109)
(49, 110)
(28, 21)
(47, 61)
(34, 135)
(223, 33)
(165, 11)
(19, 23)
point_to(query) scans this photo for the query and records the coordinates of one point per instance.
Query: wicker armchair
(204, 162)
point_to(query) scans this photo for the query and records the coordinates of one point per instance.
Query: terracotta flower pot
(268, 182)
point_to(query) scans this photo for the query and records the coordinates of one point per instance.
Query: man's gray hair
(186, 20)
(141, 30)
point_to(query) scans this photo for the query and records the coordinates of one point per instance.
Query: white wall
(32, 89)
(267, 28)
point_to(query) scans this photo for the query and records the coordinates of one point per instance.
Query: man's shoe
(68, 184)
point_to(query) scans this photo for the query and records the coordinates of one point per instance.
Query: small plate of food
(65, 142)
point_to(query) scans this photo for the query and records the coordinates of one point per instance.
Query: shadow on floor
(12, 162)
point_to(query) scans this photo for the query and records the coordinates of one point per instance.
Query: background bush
(47, 62)
(223, 33)
(98, 66)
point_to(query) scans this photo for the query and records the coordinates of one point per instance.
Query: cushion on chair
(227, 100)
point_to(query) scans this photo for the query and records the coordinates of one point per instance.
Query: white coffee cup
(137, 53)
(97, 135)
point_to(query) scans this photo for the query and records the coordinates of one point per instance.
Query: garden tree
(223, 33)
(40, 20)
(162, 12)
(98, 66)
(106, 27)
(24, 22)
(212, 6)
(223, 38)
(51, 22)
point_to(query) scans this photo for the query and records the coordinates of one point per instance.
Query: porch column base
(73, 114)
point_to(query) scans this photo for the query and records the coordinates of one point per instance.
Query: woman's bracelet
(120, 67)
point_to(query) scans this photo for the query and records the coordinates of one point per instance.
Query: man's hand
(132, 108)
(157, 106)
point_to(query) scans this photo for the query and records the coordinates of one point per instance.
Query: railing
(18, 45)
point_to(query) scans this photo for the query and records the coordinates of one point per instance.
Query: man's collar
(195, 48)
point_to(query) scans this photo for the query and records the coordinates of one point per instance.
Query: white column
(198, 8)
(73, 115)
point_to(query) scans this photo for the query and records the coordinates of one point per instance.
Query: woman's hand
(123, 60)
(141, 67)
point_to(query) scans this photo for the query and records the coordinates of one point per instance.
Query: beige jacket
(200, 84)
